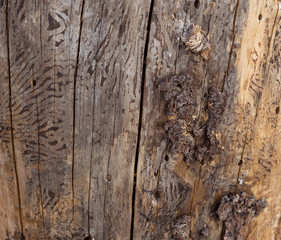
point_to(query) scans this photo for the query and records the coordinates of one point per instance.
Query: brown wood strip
(11, 225)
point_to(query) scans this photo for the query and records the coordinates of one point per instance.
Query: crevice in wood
(11, 115)
(232, 46)
(38, 164)
(140, 116)
(241, 161)
(74, 98)
(91, 161)
(157, 193)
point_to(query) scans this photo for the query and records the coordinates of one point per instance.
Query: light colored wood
(261, 168)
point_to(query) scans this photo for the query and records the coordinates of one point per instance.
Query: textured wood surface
(9, 212)
(83, 149)
(240, 33)
(107, 115)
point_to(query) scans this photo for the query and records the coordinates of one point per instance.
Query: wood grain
(43, 41)
(10, 214)
(167, 187)
(107, 114)
(84, 152)
(261, 169)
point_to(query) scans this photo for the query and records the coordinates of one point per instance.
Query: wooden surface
(83, 149)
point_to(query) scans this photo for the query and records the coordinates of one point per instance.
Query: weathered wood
(43, 41)
(76, 78)
(169, 178)
(9, 201)
(261, 159)
(172, 188)
(107, 114)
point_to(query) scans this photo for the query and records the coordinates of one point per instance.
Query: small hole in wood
(197, 4)
(166, 158)
(108, 177)
(88, 237)
(33, 83)
(240, 163)
(277, 110)
(260, 17)
(157, 194)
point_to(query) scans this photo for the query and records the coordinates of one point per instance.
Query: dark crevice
(197, 4)
(74, 98)
(277, 110)
(91, 158)
(140, 115)
(38, 164)
(88, 237)
(232, 46)
(157, 192)
(240, 164)
(11, 114)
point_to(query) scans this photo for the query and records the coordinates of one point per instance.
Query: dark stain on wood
(53, 24)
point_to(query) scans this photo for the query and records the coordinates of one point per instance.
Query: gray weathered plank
(43, 41)
(107, 114)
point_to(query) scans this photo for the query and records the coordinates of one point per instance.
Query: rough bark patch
(196, 140)
(236, 211)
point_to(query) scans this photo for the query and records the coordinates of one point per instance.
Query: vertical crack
(74, 98)
(91, 161)
(140, 116)
(11, 116)
(232, 46)
(241, 161)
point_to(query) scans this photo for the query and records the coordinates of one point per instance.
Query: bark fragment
(192, 36)
(196, 140)
(236, 211)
